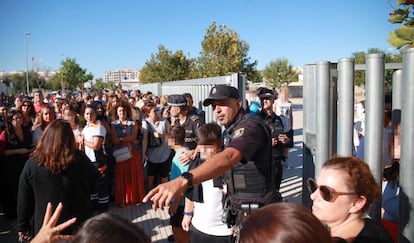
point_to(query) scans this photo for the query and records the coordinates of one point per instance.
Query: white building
(128, 78)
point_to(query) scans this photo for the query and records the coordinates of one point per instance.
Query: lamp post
(27, 67)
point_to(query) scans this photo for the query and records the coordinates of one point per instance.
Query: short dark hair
(209, 134)
(283, 222)
(108, 228)
(178, 134)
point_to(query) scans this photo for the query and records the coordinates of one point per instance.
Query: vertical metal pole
(374, 123)
(309, 129)
(407, 150)
(345, 105)
(323, 115)
(27, 66)
(397, 93)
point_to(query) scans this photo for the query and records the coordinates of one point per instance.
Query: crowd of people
(80, 154)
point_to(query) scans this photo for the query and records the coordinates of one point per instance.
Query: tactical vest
(244, 181)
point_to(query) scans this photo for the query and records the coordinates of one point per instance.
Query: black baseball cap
(265, 93)
(177, 100)
(221, 92)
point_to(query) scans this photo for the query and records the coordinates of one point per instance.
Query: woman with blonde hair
(45, 116)
(58, 173)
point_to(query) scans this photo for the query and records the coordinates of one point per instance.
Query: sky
(116, 34)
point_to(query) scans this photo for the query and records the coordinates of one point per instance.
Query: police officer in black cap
(279, 138)
(192, 110)
(246, 157)
(179, 117)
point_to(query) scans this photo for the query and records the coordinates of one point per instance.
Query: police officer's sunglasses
(328, 193)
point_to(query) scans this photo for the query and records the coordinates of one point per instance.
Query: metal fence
(198, 88)
(328, 122)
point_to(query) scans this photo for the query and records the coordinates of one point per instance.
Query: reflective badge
(214, 90)
(238, 133)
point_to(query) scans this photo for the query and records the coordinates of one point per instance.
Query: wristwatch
(189, 177)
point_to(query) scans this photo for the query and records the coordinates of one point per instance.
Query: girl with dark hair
(157, 157)
(56, 172)
(15, 146)
(94, 134)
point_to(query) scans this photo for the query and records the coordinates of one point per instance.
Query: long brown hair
(56, 148)
(39, 117)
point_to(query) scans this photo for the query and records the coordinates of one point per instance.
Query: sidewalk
(156, 224)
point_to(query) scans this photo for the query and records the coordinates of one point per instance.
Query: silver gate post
(322, 113)
(406, 215)
(345, 105)
(374, 123)
(309, 129)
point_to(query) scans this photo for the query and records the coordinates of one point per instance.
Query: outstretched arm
(162, 195)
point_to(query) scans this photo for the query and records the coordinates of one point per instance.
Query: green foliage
(72, 76)
(403, 37)
(99, 84)
(223, 52)
(166, 66)
(280, 73)
(360, 59)
(19, 80)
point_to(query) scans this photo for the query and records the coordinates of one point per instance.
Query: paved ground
(156, 223)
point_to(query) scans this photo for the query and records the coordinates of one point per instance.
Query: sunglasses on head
(328, 194)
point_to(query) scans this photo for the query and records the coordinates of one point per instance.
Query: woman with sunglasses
(341, 195)
(29, 114)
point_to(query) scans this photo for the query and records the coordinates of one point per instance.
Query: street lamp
(27, 67)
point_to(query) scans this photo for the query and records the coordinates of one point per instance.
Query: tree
(166, 66)
(360, 59)
(223, 52)
(99, 84)
(403, 37)
(279, 73)
(72, 75)
(20, 84)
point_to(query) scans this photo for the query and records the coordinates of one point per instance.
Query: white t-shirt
(207, 215)
(91, 131)
(158, 154)
(284, 109)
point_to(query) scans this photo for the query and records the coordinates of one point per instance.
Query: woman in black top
(56, 172)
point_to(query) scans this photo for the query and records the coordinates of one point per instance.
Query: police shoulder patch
(238, 133)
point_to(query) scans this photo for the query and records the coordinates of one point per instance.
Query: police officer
(279, 138)
(180, 117)
(248, 143)
(192, 110)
